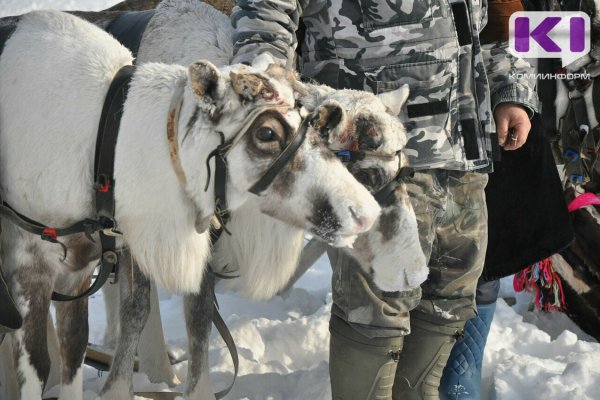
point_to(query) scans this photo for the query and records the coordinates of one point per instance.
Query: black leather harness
(104, 186)
(383, 195)
(220, 153)
(104, 183)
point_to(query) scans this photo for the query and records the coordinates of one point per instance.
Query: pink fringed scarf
(541, 280)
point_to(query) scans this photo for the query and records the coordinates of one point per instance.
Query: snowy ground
(283, 343)
(283, 347)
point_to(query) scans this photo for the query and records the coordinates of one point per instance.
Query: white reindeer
(183, 30)
(54, 73)
(279, 245)
(263, 250)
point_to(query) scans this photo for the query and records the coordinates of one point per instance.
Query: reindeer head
(254, 113)
(368, 126)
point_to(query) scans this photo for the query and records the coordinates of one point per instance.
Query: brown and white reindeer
(55, 70)
(263, 250)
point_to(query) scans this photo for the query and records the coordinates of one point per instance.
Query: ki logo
(549, 34)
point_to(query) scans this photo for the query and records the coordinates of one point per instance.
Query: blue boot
(462, 376)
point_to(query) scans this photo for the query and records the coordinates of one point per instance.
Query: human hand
(512, 125)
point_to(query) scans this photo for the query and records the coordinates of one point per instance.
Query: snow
(283, 343)
(283, 347)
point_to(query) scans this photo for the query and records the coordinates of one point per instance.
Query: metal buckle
(114, 232)
(110, 257)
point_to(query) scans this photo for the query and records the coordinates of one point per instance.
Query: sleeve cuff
(517, 94)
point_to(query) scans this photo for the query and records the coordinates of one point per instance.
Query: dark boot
(10, 319)
(361, 368)
(462, 375)
(422, 361)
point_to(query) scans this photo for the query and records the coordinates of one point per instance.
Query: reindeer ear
(204, 79)
(327, 116)
(395, 99)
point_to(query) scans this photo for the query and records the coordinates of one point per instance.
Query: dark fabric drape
(528, 217)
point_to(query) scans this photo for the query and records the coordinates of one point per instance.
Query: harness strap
(384, 195)
(101, 278)
(221, 210)
(104, 164)
(347, 156)
(220, 194)
(286, 155)
(226, 335)
(87, 226)
(220, 153)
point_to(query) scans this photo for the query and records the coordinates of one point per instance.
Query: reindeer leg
(72, 330)
(152, 351)
(110, 292)
(8, 379)
(54, 352)
(135, 306)
(33, 286)
(198, 310)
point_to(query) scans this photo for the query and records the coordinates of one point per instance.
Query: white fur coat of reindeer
(209, 32)
(264, 251)
(183, 30)
(54, 74)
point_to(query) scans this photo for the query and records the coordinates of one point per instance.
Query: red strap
(104, 188)
(50, 232)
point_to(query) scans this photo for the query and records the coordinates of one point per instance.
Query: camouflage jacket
(378, 45)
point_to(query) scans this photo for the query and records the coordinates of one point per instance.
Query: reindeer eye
(266, 134)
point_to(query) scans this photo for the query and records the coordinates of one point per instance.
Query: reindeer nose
(358, 220)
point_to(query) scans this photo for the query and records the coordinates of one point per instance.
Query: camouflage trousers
(452, 219)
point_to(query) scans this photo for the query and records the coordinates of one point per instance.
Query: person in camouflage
(395, 345)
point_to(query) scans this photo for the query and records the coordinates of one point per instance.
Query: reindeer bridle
(221, 152)
(384, 193)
